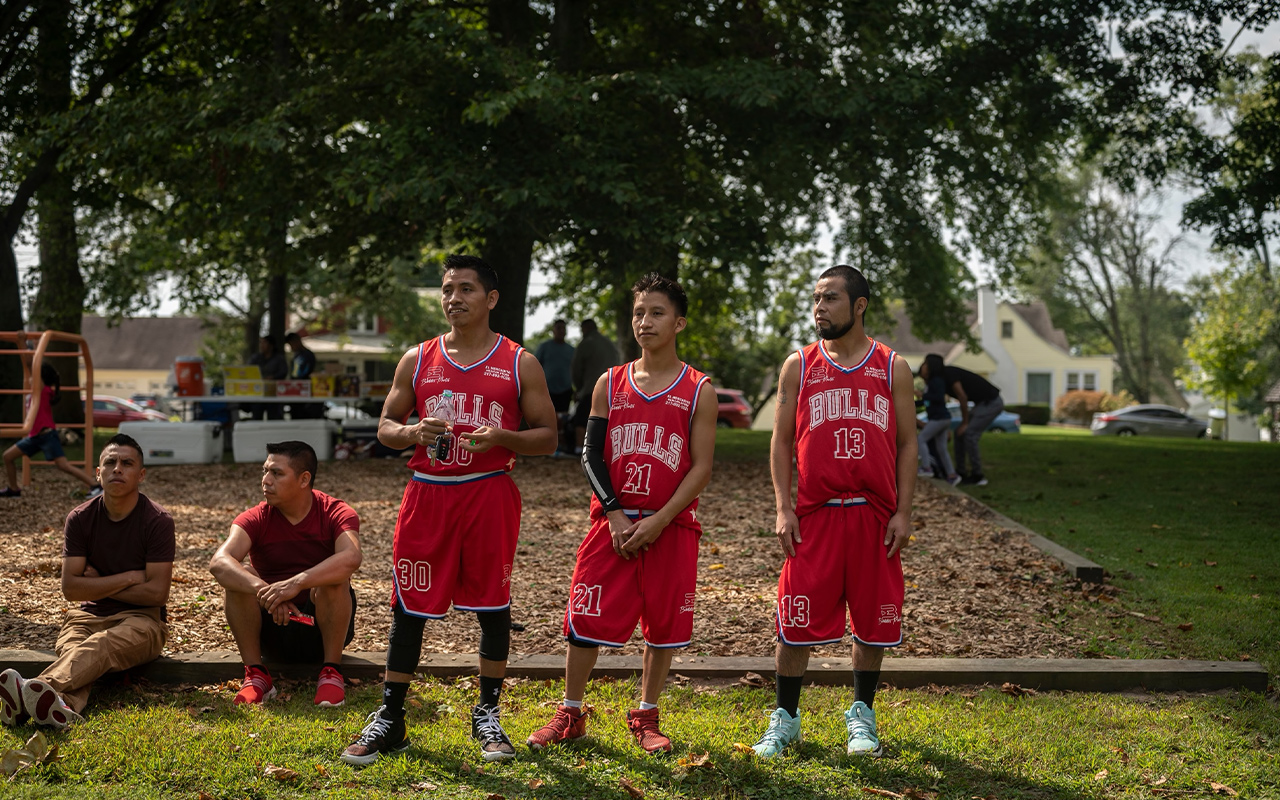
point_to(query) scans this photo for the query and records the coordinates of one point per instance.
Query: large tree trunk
(510, 253)
(10, 320)
(59, 303)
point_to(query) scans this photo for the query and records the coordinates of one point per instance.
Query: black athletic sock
(865, 682)
(258, 667)
(393, 695)
(788, 693)
(338, 667)
(490, 691)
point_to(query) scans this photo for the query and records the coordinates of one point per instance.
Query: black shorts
(296, 643)
(560, 401)
(580, 413)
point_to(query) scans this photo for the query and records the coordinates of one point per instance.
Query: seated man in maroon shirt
(294, 601)
(117, 562)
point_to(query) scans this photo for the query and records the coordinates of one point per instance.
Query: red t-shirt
(846, 431)
(279, 550)
(111, 547)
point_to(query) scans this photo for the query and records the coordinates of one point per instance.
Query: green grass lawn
(962, 745)
(1187, 528)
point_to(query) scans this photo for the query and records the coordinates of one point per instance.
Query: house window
(1006, 329)
(1073, 381)
(1039, 387)
(362, 323)
(1087, 381)
(1090, 381)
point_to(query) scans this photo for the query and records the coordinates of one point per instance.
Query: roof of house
(902, 339)
(142, 342)
(1037, 316)
(1273, 394)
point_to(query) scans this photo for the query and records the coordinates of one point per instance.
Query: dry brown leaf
(495, 796)
(1102, 775)
(1209, 563)
(695, 760)
(1186, 626)
(631, 788)
(1014, 690)
(752, 679)
(322, 770)
(743, 747)
(1222, 788)
(423, 786)
(880, 792)
(1124, 757)
(535, 783)
(912, 793)
(280, 773)
(205, 796)
(716, 566)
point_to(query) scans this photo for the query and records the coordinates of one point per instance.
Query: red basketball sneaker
(331, 690)
(644, 726)
(569, 724)
(257, 687)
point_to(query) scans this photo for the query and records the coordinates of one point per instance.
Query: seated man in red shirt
(294, 602)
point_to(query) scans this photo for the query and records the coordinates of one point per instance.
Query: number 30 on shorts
(794, 610)
(413, 575)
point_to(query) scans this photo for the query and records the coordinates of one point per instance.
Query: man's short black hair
(559, 322)
(488, 278)
(855, 283)
(653, 282)
(589, 325)
(123, 440)
(290, 338)
(300, 454)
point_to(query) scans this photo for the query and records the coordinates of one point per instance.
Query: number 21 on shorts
(586, 600)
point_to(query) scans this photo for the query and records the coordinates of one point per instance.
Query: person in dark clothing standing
(968, 387)
(271, 361)
(933, 436)
(300, 368)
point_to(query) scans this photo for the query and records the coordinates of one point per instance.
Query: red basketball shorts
(455, 543)
(840, 562)
(610, 594)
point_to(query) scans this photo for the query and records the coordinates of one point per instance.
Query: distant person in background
(556, 357)
(300, 369)
(117, 563)
(933, 436)
(967, 387)
(44, 438)
(594, 355)
(274, 367)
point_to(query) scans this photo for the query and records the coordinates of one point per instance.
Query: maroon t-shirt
(279, 550)
(110, 547)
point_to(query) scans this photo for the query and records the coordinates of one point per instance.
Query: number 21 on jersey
(849, 443)
(637, 479)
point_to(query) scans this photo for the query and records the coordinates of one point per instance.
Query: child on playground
(44, 437)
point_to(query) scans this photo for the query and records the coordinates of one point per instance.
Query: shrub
(1032, 413)
(1078, 406)
(1115, 402)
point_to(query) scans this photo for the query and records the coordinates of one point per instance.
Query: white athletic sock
(647, 706)
(571, 703)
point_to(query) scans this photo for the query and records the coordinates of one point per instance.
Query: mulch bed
(974, 589)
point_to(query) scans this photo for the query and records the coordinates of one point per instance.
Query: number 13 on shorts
(794, 610)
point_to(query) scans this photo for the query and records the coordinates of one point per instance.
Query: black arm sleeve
(593, 463)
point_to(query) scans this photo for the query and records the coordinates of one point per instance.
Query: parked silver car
(1148, 420)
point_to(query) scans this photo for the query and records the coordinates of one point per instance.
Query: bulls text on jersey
(468, 409)
(833, 405)
(631, 438)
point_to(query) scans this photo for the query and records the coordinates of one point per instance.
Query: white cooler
(249, 439)
(177, 442)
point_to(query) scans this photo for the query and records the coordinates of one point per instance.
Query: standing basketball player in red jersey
(456, 534)
(647, 454)
(846, 413)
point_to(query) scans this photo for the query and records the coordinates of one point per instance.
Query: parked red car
(109, 412)
(735, 411)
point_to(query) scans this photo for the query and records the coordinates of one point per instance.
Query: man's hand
(621, 528)
(787, 527)
(280, 615)
(425, 431)
(274, 595)
(897, 533)
(136, 576)
(643, 534)
(90, 572)
(480, 440)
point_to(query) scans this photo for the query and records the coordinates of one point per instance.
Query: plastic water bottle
(446, 412)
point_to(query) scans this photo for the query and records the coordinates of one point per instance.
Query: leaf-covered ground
(973, 588)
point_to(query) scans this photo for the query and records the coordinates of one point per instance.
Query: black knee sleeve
(495, 634)
(405, 646)
(574, 641)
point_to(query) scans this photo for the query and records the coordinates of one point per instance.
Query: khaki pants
(90, 646)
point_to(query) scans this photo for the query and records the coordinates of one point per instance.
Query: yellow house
(136, 356)
(1028, 359)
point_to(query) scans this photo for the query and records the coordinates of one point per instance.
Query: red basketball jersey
(484, 393)
(846, 432)
(648, 445)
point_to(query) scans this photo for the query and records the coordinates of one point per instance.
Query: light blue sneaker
(783, 730)
(860, 721)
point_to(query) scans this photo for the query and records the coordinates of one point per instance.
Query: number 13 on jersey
(849, 443)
